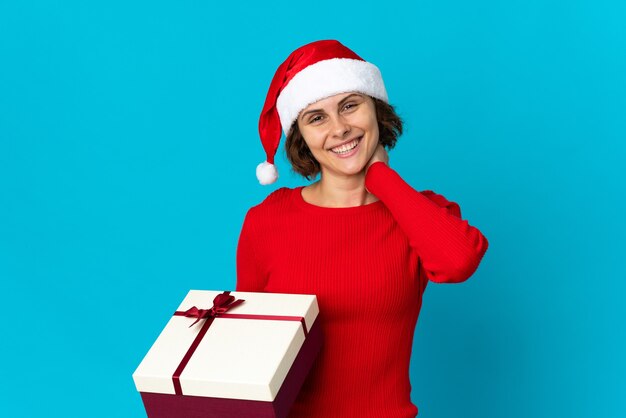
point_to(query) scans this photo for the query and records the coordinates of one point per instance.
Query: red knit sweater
(368, 266)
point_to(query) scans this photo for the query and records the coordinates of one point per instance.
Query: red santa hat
(312, 72)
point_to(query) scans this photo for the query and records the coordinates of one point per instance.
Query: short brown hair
(302, 160)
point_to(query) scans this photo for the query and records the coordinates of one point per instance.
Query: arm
(450, 249)
(249, 275)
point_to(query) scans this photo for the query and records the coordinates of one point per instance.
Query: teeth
(346, 147)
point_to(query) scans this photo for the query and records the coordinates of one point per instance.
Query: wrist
(370, 173)
(370, 165)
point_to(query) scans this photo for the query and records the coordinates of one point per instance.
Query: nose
(340, 126)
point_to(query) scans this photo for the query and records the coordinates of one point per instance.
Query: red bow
(222, 303)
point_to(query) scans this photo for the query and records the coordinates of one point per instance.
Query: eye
(350, 105)
(315, 119)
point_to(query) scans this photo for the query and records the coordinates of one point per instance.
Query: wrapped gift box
(220, 357)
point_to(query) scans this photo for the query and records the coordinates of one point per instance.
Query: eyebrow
(321, 110)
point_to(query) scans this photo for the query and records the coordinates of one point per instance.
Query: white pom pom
(266, 173)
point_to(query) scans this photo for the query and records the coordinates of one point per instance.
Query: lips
(346, 146)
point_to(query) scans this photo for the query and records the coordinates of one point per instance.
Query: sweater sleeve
(449, 248)
(249, 273)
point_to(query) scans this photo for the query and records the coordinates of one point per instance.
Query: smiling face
(341, 131)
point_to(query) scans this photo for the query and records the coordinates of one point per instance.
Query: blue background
(128, 143)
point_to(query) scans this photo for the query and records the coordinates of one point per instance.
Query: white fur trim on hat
(266, 173)
(324, 79)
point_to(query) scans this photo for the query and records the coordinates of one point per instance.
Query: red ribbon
(221, 303)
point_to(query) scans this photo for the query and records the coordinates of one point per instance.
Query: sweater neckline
(350, 210)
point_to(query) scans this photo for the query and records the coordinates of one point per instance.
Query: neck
(342, 191)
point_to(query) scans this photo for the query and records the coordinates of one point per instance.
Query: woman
(361, 239)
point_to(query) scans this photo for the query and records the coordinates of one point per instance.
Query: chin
(351, 171)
